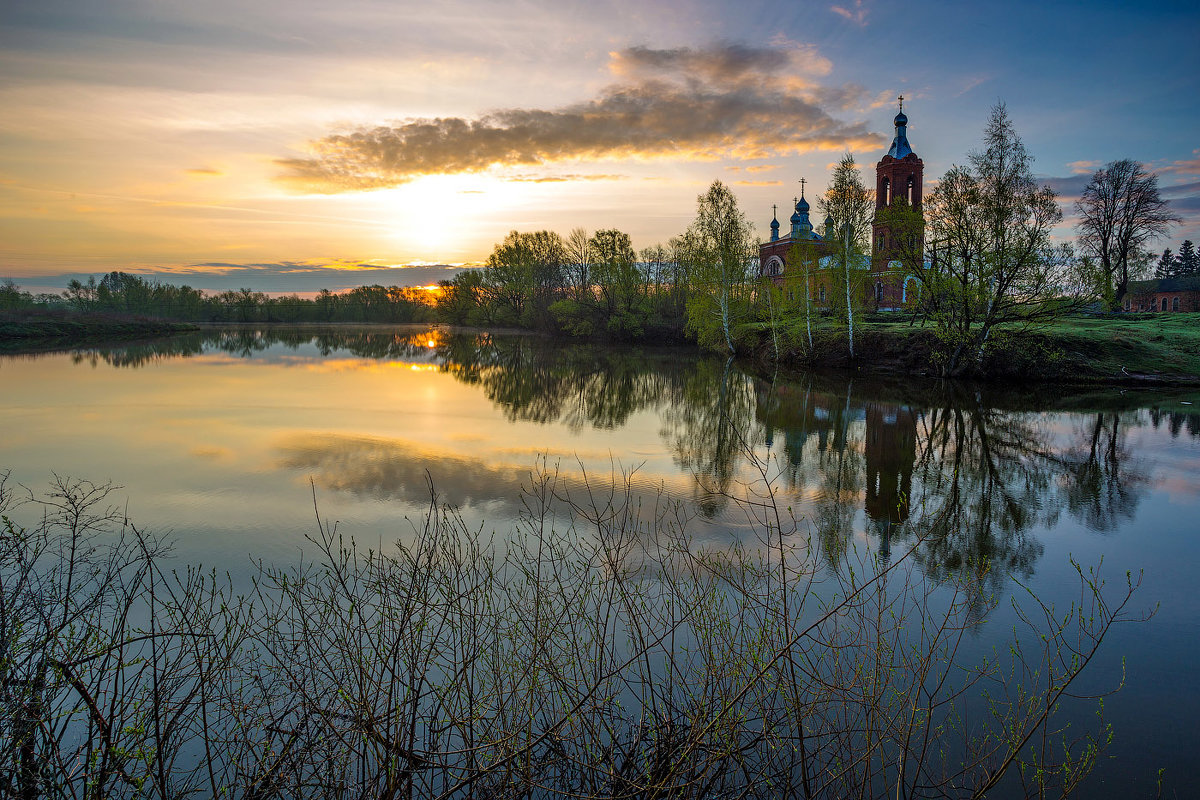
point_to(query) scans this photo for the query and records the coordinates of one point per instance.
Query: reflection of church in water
(797, 416)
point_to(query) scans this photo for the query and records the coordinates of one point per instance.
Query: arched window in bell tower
(908, 192)
(885, 191)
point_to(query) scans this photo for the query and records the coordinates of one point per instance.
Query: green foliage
(993, 262)
(850, 206)
(718, 247)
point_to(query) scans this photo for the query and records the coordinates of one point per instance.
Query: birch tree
(990, 226)
(720, 244)
(851, 206)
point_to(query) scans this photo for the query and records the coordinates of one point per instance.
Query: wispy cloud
(571, 177)
(856, 14)
(1083, 167)
(204, 172)
(970, 82)
(722, 101)
(1186, 166)
(758, 183)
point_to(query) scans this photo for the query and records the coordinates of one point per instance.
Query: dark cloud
(282, 277)
(1070, 186)
(730, 63)
(724, 101)
(1181, 189)
(1186, 205)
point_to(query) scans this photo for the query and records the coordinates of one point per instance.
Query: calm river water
(222, 439)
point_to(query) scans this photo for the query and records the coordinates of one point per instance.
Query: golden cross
(901, 104)
(802, 181)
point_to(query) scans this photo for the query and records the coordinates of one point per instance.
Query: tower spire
(900, 147)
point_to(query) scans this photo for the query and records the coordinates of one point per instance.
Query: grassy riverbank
(36, 328)
(1151, 348)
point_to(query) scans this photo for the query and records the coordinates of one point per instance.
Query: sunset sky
(275, 144)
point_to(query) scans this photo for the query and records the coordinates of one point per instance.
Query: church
(882, 283)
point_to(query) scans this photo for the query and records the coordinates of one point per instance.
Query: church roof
(900, 147)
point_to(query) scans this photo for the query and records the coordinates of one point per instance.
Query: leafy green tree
(578, 264)
(82, 296)
(619, 282)
(990, 225)
(523, 275)
(850, 206)
(11, 295)
(718, 247)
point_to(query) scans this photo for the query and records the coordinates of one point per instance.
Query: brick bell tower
(899, 174)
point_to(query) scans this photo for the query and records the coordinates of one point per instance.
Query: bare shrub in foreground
(594, 651)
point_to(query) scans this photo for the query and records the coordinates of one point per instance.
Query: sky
(293, 145)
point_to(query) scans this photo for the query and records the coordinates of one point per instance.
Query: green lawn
(1152, 347)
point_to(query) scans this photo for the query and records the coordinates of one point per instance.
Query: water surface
(229, 439)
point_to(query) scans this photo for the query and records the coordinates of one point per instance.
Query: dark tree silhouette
(1120, 211)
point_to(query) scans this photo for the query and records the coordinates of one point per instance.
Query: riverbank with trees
(997, 298)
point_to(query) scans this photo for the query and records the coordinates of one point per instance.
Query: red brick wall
(1188, 301)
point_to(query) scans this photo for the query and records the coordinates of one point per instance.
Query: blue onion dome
(774, 224)
(802, 206)
(796, 218)
(900, 119)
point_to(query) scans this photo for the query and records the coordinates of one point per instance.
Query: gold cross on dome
(901, 98)
(802, 182)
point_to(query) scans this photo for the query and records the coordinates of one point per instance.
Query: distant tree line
(124, 293)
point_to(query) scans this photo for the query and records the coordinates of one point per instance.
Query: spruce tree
(1189, 264)
(1166, 265)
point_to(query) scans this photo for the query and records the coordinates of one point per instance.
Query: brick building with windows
(1164, 294)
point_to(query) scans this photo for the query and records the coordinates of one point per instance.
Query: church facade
(881, 282)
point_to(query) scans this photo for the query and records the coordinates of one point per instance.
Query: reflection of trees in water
(247, 342)
(982, 488)
(974, 480)
(538, 380)
(982, 477)
(709, 426)
(1176, 422)
(1104, 481)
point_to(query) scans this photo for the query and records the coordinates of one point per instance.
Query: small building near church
(1164, 294)
(883, 283)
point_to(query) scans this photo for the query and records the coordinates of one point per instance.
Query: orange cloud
(204, 172)
(1083, 167)
(725, 101)
(758, 183)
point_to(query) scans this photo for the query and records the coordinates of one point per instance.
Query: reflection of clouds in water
(212, 453)
(1179, 489)
(399, 470)
(393, 469)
